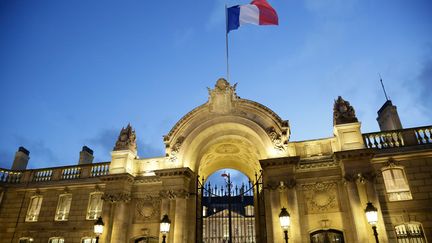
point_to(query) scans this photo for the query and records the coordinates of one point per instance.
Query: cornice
(293, 160)
(354, 154)
(185, 171)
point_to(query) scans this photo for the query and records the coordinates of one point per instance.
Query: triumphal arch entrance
(235, 133)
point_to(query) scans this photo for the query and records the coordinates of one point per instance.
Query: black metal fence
(229, 213)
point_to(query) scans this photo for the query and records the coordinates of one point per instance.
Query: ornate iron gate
(230, 213)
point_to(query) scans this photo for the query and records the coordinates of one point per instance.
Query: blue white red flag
(258, 12)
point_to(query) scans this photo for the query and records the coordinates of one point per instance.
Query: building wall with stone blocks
(15, 203)
(324, 183)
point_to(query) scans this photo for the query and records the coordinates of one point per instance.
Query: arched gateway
(309, 178)
(227, 132)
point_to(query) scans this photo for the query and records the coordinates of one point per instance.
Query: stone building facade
(325, 184)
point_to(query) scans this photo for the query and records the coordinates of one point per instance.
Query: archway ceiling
(229, 151)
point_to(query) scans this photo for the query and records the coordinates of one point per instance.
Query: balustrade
(398, 138)
(43, 175)
(71, 173)
(10, 176)
(54, 174)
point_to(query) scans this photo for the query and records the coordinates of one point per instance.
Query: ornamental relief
(147, 208)
(321, 197)
(277, 139)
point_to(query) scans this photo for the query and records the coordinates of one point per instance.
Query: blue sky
(72, 73)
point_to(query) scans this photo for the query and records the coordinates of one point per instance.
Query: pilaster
(177, 187)
(279, 183)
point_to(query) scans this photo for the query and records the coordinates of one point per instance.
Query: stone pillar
(117, 193)
(177, 185)
(120, 212)
(180, 227)
(355, 164)
(120, 223)
(293, 209)
(277, 173)
(356, 213)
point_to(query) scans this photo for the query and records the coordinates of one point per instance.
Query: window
(63, 207)
(34, 209)
(396, 183)
(88, 240)
(249, 210)
(56, 240)
(94, 208)
(410, 232)
(25, 240)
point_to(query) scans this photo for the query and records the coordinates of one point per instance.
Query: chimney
(388, 118)
(21, 159)
(86, 156)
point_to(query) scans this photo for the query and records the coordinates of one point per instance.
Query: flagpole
(226, 43)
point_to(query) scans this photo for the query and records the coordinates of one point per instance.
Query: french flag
(258, 12)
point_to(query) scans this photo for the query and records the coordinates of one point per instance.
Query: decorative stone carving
(176, 149)
(222, 97)
(116, 197)
(321, 197)
(173, 194)
(360, 177)
(148, 207)
(343, 112)
(126, 140)
(276, 139)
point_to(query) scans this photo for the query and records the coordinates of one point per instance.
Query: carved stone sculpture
(126, 140)
(321, 197)
(149, 206)
(343, 112)
(276, 139)
(175, 149)
(222, 97)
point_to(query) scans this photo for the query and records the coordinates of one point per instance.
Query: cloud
(425, 82)
(6, 158)
(44, 154)
(331, 8)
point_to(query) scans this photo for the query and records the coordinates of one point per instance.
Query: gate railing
(229, 213)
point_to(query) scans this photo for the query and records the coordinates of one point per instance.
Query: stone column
(177, 186)
(180, 227)
(357, 216)
(121, 216)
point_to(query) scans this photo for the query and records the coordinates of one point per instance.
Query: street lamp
(372, 217)
(165, 227)
(98, 228)
(285, 221)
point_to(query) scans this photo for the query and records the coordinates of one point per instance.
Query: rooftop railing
(398, 138)
(55, 174)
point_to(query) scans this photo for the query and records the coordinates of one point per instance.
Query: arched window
(34, 208)
(63, 207)
(94, 208)
(88, 240)
(25, 240)
(56, 240)
(327, 236)
(396, 183)
(410, 232)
